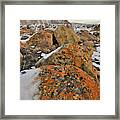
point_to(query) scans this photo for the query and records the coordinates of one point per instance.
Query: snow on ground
(27, 88)
(96, 57)
(29, 37)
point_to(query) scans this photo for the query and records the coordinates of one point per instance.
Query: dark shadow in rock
(54, 40)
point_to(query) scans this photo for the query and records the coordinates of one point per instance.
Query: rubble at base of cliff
(66, 56)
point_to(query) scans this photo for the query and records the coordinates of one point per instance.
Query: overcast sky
(85, 21)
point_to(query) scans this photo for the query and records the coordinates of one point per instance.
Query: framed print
(60, 59)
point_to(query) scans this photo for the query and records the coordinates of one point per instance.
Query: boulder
(69, 74)
(65, 34)
(73, 54)
(66, 82)
(42, 40)
(86, 36)
(24, 30)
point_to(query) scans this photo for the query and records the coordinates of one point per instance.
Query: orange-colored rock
(75, 62)
(73, 54)
(23, 45)
(42, 40)
(68, 83)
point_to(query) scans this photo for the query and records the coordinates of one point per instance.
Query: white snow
(96, 65)
(27, 88)
(98, 49)
(96, 55)
(33, 67)
(92, 32)
(45, 56)
(39, 51)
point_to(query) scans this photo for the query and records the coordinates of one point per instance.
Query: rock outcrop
(66, 82)
(66, 34)
(87, 36)
(74, 58)
(42, 40)
(64, 60)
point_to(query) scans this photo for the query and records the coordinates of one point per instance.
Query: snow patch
(27, 88)
(45, 56)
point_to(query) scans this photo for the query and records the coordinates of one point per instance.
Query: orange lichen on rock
(68, 73)
(71, 83)
(42, 39)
